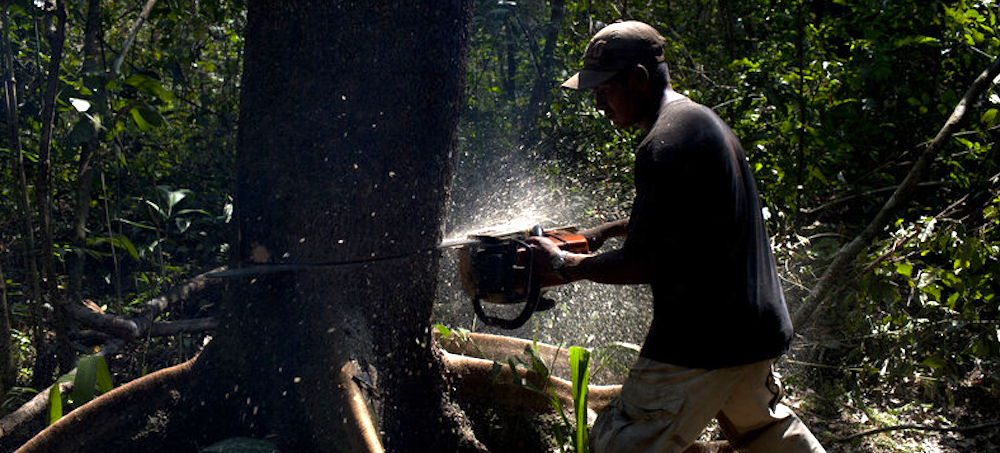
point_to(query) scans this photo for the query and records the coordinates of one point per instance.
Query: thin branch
(958, 429)
(131, 36)
(866, 193)
(892, 251)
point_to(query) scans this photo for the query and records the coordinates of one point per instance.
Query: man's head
(617, 47)
(625, 68)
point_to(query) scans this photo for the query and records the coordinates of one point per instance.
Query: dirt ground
(837, 432)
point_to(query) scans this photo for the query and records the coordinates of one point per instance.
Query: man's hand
(544, 250)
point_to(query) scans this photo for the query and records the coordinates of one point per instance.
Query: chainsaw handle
(534, 288)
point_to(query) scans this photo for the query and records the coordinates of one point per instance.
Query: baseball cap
(615, 48)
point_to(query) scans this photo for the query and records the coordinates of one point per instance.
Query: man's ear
(640, 76)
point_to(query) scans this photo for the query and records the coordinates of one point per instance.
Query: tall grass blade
(579, 360)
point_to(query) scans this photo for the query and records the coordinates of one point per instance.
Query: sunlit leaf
(55, 403)
(579, 360)
(81, 105)
(445, 332)
(904, 269)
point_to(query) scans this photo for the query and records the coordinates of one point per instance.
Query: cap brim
(588, 79)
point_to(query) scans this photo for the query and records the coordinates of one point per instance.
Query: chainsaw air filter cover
(491, 271)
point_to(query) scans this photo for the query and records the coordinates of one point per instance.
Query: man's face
(618, 99)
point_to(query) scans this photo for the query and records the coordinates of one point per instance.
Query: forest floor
(839, 432)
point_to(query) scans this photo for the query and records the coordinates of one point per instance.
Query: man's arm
(597, 235)
(610, 267)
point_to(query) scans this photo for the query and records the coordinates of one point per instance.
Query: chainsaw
(496, 267)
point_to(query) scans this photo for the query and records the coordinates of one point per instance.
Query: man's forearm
(611, 267)
(597, 235)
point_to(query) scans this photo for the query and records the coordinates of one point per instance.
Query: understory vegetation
(118, 151)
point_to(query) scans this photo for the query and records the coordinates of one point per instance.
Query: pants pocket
(647, 404)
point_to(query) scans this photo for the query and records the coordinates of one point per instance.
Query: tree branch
(847, 254)
(138, 326)
(165, 328)
(116, 66)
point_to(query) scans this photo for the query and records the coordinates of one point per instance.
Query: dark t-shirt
(696, 222)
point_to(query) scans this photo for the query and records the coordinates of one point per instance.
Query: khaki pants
(664, 408)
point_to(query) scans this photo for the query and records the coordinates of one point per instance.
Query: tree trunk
(8, 372)
(544, 84)
(93, 64)
(64, 354)
(347, 122)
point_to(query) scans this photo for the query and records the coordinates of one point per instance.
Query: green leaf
(933, 362)
(904, 269)
(537, 365)
(915, 40)
(125, 243)
(157, 209)
(173, 197)
(86, 379)
(147, 117)
(55, 403)
(82, 132)
(182, 224)
(514, 374)
(117, 241)
(140, 225)
(149, 85)
(990, 117)
(579, 363)
(240, 445)
(445, 332)
(104, 383)
(194, 211)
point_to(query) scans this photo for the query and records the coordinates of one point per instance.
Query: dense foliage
(833, 100)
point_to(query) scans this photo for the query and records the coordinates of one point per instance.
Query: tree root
(109, 422)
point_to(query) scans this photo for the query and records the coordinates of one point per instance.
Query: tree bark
(845, 258)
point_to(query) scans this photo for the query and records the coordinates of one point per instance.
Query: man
(696, 235)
